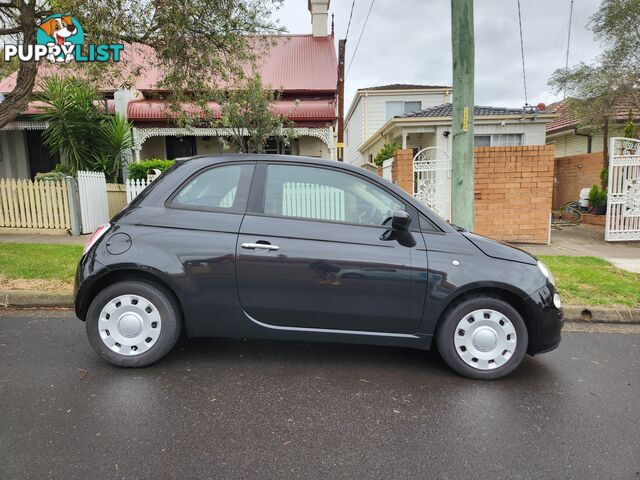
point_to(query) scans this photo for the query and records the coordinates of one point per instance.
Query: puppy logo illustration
(63, 32)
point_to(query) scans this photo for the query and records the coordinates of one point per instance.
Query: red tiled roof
(296, 63)
(619, 113)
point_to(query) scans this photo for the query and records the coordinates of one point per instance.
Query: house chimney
(319, 15)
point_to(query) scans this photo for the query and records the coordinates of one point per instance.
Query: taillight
(95, 236)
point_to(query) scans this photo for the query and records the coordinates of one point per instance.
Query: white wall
(153, 147)
(568, 144)
(354, 134)
(313, 147)
(13, 154)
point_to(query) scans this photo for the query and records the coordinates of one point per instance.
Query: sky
(409, 41)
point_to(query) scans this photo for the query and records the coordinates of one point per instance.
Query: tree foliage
(246, 112)
(614, 78)
(79, 130)
(199, 45)
(387, 151)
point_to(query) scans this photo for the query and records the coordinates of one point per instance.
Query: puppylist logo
(60, 38)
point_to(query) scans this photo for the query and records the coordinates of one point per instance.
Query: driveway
(254, 409)
(588, 240)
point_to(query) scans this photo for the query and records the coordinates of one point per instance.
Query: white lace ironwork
(25, 126)
(143, 133)
(432, 180)
(623, 205)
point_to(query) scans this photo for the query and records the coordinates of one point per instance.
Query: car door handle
(266, 246)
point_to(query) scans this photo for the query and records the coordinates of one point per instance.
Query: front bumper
(546, 321)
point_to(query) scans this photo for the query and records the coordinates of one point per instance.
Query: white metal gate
(432, 180)
(94, 206)
(623, 206)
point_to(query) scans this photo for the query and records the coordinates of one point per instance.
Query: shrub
(387, 152)
(597, 197)
(139, 170)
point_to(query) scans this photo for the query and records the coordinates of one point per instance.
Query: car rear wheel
(133, 323)
(483, 338)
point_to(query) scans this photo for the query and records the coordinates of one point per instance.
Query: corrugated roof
(295, 63)
(294, 110)
(446, 110)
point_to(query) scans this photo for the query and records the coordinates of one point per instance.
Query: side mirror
(400, 220)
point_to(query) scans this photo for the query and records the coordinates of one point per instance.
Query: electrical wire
(350, 17)
(355, 50)
(524, 73)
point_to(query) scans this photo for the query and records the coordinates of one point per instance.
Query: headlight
(547, 273)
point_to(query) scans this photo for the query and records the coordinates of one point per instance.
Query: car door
(311, 253)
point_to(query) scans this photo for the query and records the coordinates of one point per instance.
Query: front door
(311, 254)
(178, 147)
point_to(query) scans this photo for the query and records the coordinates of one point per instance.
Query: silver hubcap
(129, 325)
(485, 339)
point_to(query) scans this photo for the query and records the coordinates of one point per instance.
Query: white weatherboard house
(419, 117)
(372, 107)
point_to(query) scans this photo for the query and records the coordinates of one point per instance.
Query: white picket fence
(94, 204)
(134, 187)
(314, 201)
(34, 204)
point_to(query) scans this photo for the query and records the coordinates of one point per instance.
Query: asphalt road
(253, 409)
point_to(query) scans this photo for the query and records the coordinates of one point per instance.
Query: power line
(524, 72)
(350, 17)
(355, 50)
(566, 62)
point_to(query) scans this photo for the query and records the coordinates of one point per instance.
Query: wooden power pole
(462, 183)
(341, 50)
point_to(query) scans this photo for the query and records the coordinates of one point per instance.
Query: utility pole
(341, 52)
(462, 182)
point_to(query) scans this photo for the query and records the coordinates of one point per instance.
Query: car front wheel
(133, 323)
(482, 337)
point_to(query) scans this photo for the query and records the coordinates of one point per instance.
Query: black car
(283, 247)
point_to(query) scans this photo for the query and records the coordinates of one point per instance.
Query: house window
(410, 107)
(498, 140)
(394, 109)
(398, 108)
(482, 141)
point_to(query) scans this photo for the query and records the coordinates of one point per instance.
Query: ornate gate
(432, 180)
(623, 206)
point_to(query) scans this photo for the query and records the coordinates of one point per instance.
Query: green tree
(387, 151)
(630, 130)
(199, 45)
(246, 112)
(85, 137)
(613, 79)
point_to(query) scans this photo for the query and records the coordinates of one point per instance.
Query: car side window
(218, 188)
(326, 194)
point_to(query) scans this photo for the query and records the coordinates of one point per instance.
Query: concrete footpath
(588, 240)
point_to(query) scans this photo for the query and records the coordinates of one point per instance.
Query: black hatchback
(283, 247)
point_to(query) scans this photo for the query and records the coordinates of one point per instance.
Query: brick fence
(573, 174)
(513, 190)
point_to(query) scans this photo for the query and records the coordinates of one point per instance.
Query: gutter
(589, 138)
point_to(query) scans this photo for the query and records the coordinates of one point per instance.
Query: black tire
(167, 308)
(446, 332)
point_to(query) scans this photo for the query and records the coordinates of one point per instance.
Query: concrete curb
(601, 314)
(37, 299)
(34, 299)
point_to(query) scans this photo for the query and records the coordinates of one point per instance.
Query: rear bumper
(546, 321)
